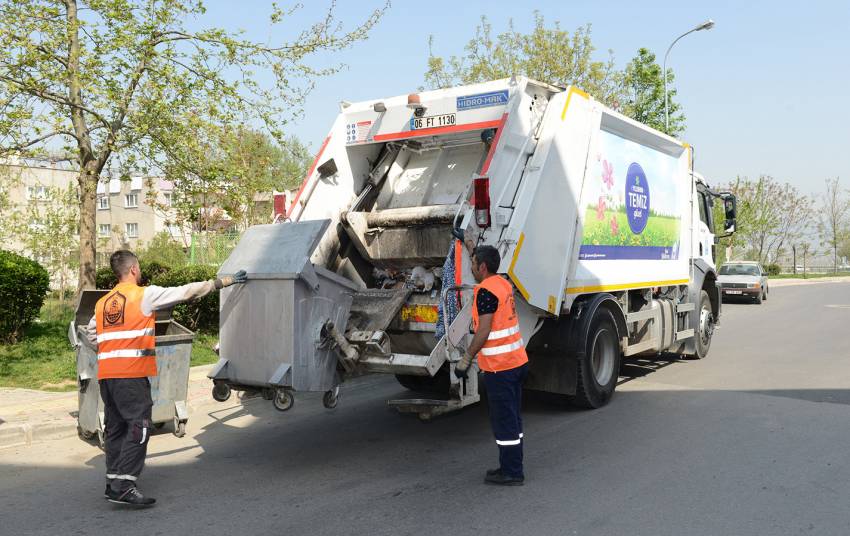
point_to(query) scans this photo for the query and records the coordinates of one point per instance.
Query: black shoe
(501, 479)
(132, 497)
(490, 472)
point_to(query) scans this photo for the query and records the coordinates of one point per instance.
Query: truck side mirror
(730, 206)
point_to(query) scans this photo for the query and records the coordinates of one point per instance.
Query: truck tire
(438, 384)
(599, 367)
(705, 326)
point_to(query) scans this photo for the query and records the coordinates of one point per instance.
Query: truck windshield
(739, 269)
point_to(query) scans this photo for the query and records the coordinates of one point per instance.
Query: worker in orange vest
(123, 330)
(501, 356)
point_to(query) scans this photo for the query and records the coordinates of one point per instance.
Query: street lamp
(707, 25)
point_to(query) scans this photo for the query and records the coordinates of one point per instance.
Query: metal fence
(211, 248)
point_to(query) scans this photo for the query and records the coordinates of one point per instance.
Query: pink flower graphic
(615, 228)
(608, 174)
(600, 208)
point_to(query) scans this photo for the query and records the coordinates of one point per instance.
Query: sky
(764, 91)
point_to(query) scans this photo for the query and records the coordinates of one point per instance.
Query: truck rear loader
(603, 227)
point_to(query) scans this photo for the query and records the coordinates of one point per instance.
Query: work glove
(239, 277)
(463, 366)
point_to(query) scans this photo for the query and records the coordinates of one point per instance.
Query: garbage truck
(604, 228)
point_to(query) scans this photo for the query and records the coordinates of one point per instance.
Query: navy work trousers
(127, 411)
(504, 395)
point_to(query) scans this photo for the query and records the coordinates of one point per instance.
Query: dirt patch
(64, 385)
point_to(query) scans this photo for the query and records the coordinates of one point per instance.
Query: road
(752, 440)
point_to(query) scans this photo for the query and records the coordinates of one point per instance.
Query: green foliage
(23, 287)
(772, 217)
(163, 250)
(138, 80)
(231, 167)
(644, 89)
(834, 219)
(151, 271)
(547, 54)
(198, 315)
(554, 56)
(773, 269)
(661, 231)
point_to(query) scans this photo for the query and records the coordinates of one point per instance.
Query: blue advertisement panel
(633, 207)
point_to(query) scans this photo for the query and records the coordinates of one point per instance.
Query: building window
(167, 197)
(103, 229)
(131, 201)
(132, 230)
(103, 203)
(36, 192)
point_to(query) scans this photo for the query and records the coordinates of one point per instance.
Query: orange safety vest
(126, 342)
(504, 348)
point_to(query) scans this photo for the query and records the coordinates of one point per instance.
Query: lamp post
(707, 25)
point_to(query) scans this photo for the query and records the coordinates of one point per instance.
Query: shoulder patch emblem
(113, 310)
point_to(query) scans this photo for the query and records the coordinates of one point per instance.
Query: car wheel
(759, 297)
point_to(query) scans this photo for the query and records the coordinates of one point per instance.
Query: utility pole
(794, 256)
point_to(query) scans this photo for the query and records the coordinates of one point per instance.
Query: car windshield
(739, 269)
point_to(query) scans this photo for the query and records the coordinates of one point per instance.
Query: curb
(21, 435)
(25, 434)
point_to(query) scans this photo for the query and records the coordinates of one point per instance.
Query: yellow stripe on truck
(627, 286)
(573, 89)
(511, 273)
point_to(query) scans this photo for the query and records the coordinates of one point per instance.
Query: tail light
(482, 202)
(279, 205)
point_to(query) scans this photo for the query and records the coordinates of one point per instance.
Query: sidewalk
(809, 281)
(27, 415)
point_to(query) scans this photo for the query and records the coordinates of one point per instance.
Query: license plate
(734, 291)
(433, 121)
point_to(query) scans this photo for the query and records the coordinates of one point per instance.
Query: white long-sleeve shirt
(157, 298)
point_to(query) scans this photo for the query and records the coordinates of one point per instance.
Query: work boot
(131, 497)
(501, 479)
(494, 472)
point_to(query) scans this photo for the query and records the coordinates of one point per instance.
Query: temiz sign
(482, 100)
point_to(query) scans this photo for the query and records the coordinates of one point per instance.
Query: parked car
(743, 279)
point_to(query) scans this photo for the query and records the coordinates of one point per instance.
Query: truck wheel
(599, 368)
(705, 327)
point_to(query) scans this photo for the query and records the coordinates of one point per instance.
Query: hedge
(23, 286)
(199, 315)
(773, 269)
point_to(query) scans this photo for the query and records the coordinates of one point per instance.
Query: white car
(743, 279)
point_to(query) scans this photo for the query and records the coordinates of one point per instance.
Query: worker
(123, 331)
(501, 356)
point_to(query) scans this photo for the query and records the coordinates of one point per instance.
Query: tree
(164, 250)
(131, 79)
(644, 89)
(833, 223)
(47, 228)
(771, 215)
(550, 55)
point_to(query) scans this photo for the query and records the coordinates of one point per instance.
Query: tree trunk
(88, 228)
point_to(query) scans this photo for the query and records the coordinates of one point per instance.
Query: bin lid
(275, 251)
(88, 299)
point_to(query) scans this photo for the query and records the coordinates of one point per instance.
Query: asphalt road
(752, 440)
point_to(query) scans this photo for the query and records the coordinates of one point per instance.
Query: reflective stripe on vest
(504, 348)
(126, 338)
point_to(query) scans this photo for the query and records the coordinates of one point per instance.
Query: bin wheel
(331, 398)
(283, 400)
(221, 392)
(268, 394)
(84, 434)
(179, 428)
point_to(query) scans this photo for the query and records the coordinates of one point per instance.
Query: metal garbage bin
(169, 389)
(273, 328)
